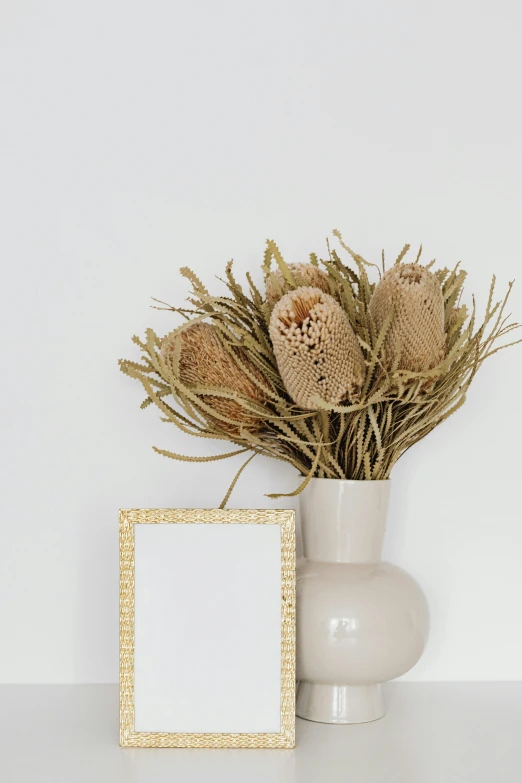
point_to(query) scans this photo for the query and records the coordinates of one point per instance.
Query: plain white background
(136, 138)
(220, 652)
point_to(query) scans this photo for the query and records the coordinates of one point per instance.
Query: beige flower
(304, 275)
(414, 296)
(204, 361)
(316, 349)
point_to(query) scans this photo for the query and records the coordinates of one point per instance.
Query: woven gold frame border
(131, 738)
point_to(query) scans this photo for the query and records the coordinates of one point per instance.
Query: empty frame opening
(207, 628)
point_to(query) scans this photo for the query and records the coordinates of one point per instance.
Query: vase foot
(339, 703)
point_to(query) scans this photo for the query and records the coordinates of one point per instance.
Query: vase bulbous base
(339, 703)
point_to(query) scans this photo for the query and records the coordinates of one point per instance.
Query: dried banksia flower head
(304, 275)
(204, 361)
(316, 349)
(414, 296)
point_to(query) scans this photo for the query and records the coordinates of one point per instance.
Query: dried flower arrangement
(327, 371)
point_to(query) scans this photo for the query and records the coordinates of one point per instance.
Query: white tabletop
(433, 733)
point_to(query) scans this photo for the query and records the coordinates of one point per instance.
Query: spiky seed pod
(304, 274)
(316, 349)
(414, 296)
(204, 361)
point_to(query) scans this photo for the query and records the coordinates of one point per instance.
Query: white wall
(139, 137)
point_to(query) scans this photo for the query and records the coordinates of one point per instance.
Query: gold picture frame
(286, 520)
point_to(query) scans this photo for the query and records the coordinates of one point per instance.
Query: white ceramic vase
(360, 622)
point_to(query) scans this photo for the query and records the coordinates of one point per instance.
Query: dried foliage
(396, 358)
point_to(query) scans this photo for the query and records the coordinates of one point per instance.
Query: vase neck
(344, 521)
